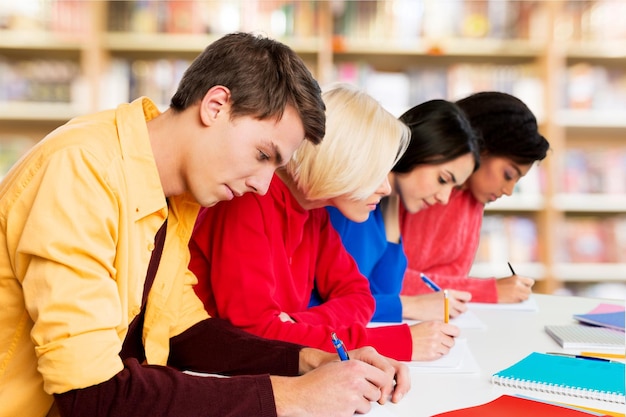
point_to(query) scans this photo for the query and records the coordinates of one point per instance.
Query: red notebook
(511, 406)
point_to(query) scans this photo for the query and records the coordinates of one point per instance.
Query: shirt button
(150, 246)
(136, 310)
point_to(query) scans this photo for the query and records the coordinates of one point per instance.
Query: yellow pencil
(604, 355)
(446, 307)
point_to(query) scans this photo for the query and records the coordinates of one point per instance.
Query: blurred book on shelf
(453, 82)
(593, 20)
(600, 170)
(507, 238)
(273, 17)
(38, 80)
(595, 87)
(435, 19)
(64, 17)
(149, 16)
(593, 240)
(127, 80)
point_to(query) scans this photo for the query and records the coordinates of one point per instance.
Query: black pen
(572, 355)
(511, 268)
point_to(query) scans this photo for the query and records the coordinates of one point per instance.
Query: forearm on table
(141, 390)
(215, 346)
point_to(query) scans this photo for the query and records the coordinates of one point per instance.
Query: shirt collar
(145, 189)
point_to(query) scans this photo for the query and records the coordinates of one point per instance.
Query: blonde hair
(363, 141)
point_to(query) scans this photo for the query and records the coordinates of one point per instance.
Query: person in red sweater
(441, 241)
(257, 257)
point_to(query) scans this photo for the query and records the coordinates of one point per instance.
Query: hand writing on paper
(430, 306)
(432, 339)
(514, 289)
(341, 388)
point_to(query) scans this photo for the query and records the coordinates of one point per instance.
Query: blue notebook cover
(614, 320)
(600, 380)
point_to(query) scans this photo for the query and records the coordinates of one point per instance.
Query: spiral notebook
(598, 380)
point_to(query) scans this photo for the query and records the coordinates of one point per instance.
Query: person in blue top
(442, 154)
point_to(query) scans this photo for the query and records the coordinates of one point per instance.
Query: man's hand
(398, 380)
(330, 387)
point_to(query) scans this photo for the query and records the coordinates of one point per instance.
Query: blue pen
(341, 349)
(430, 283)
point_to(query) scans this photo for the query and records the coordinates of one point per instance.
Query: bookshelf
(84, 56)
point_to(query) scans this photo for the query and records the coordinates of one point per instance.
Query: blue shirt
(382, 262)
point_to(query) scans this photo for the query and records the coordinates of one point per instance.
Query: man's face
(240, 155)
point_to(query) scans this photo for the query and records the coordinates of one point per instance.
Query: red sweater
(441, 241)
(257, 256)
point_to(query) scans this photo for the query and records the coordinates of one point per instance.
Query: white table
(510, 336)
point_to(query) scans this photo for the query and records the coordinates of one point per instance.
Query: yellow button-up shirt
(78, 217)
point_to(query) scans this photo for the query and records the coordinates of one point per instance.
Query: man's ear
(214, 102)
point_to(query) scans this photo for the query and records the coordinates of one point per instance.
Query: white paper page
(468, 320)
(380, 410)
(528, 305)
(458, 361)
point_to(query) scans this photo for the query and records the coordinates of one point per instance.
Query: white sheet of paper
(458, 360)
(468, 320)
(528, 305)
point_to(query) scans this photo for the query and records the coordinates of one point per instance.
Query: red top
(441, 242)
(259, 256)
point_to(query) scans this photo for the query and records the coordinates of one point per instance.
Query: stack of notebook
(602, 328)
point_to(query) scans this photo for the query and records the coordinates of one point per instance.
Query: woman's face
(497, 175)
(359, 210)
(426, 185)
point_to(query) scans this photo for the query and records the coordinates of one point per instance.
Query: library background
(566, 223)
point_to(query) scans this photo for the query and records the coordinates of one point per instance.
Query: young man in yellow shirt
(99, 316)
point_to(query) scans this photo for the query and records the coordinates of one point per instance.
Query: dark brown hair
(263, 76)
(506, 126)
(440, 132)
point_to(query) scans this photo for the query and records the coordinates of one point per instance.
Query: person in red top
(441, 241)
(257, 258)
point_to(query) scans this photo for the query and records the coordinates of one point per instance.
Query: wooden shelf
(184, 43)
(592, 119)
(546, 58)
(493, 48)
(590, 203)
(591, 272)
(606, 49)
(517, 203)
(39, 41)
(29, 111)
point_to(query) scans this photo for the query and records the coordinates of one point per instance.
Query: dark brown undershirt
(211, 346)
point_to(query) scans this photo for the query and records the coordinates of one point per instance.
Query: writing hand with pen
(434, 336)
(514, 289)
(430, 306)
(328, 387)
(432, 339)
